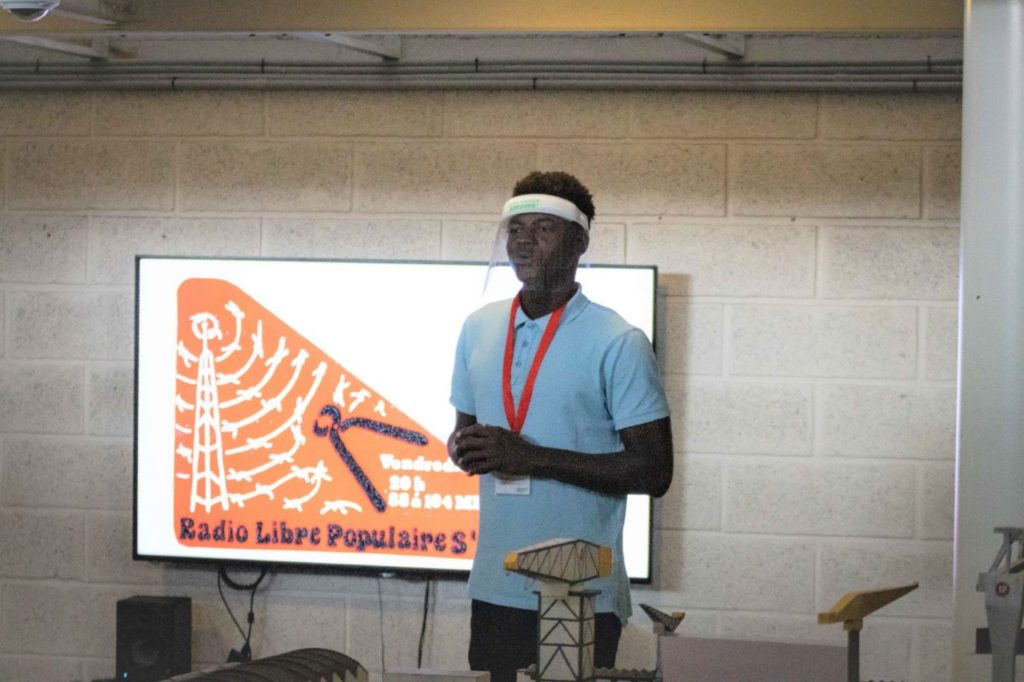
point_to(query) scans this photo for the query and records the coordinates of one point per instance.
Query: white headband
(544, 203)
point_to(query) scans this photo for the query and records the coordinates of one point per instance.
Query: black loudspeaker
(154, 638)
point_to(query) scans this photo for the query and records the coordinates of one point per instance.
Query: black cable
(222, 574)
(423, 625)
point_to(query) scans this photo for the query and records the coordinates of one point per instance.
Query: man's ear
(582, 240)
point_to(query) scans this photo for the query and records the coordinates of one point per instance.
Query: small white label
(519, 485)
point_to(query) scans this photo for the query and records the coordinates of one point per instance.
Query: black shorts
(503, 640)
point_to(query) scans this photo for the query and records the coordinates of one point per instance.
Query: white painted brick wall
(649, 178)
(873, 499)
(164, 114)
(323, 238)
(43, 248)
(826, 180)
(355, 114)
(725, 115)
(730, 260)
(807, 251)
(114, 241)
(265, 176)
(869, 342)
(898, 421)
(66, 174)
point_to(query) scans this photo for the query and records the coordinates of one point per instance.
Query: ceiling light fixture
(29, 10)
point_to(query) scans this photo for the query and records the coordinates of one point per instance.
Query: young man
(561, 412)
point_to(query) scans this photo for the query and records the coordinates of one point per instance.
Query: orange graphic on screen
(279, 446)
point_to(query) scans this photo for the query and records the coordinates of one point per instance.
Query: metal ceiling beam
(476, 16)
(387, 48)
(732, 46)
(98, 49)
(83, 17)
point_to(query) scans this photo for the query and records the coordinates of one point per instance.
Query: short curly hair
(559, 184)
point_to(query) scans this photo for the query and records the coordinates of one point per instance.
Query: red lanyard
(515, 417)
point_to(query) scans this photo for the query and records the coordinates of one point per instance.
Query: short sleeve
(462, 389)
(634, 391)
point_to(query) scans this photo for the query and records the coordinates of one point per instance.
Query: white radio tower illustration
(246, 431)
(207, 444)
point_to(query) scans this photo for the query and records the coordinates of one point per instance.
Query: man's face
(544, 250)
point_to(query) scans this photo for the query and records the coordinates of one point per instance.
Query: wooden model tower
(565, 647)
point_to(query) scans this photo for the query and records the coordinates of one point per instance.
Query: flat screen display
(296, 411)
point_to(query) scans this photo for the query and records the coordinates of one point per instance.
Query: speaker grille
(153, 638)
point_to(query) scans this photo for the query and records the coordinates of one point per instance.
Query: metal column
(990, 429)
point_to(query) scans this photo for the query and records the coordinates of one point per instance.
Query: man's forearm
(616, 473)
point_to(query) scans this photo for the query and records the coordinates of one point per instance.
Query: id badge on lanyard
(516, 417)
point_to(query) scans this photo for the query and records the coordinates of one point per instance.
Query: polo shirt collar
(573, 308)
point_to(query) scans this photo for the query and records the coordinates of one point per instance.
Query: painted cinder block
(63, 472)
(41, 544)
(180, 114)
(100, 668)
(449, 641)
(942, 183)
(848, 565)
(265, 176)
(694, 500)
(291, 621)
(111, 389)
(114, 241)
(690, 337)
(42, 248)
(401, 624)
(352, 238)
(841, 181)
(470, 240)
(213, 632)
(310, 583)
(873, 499)
(740, 417)
(940, 343)
(607, 244)
(60, 619)
(645, 178)
(32, 668)
(108, 552)
(439, 177)
(355, 113)
(730, 115)
(718, 571)
(823, 341)
(933, 646)
(536, 114)
(936, 491)
(71, 325)
(42, 398)
(730, 260)
(890, 116)
(64, 114)
(104, 175)
(890, 262)
(911, 422)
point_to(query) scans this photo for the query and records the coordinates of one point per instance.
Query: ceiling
(793, 44)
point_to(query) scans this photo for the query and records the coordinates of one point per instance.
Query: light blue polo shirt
(599, 376)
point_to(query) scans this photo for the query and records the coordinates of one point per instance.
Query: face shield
(524, 250)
